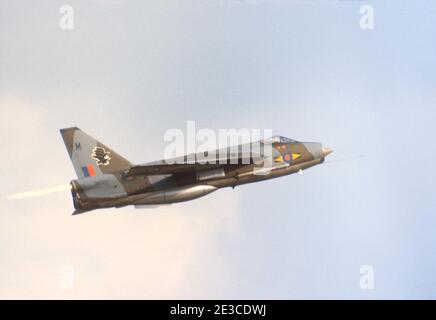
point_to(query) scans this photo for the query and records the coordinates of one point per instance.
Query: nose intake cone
(326, 151)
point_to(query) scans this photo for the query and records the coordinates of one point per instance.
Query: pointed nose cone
(326, 151)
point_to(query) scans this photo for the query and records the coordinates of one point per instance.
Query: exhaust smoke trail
(37, 193)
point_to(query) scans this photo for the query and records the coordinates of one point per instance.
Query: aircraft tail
(89, 156)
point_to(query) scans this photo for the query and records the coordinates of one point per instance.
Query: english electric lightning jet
(106, 179)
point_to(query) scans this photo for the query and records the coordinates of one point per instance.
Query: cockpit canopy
(279, 139)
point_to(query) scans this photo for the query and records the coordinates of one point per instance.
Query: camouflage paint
(112, 181)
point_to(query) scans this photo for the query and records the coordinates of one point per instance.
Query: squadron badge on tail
(101, 156)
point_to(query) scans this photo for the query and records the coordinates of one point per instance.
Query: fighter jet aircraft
(106, 179)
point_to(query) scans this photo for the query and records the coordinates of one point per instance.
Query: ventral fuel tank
(178, 194)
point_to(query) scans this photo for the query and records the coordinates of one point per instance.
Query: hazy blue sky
(130, 70)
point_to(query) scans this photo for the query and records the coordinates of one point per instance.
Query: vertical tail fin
(89, 156)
